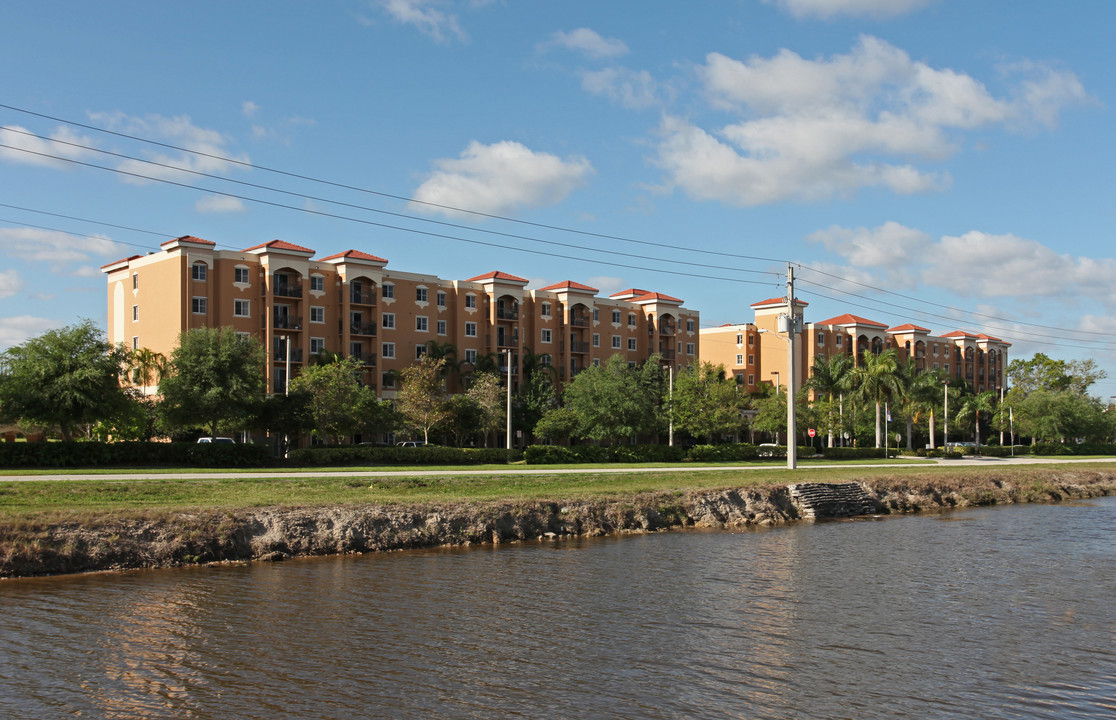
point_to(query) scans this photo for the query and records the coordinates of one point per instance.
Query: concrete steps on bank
(818, 501)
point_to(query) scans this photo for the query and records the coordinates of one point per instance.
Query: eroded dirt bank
(163, 539)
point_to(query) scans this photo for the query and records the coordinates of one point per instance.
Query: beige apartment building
(350, 303)
(755, 353)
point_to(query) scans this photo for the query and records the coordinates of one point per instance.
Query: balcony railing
(579, 321)
(666, 329)
(504, 314)
(287, 290)
(507, 341)
(362, 297)
(363, 328)
(288, 322)
(579, 347)
(667, 354)
(365, 359)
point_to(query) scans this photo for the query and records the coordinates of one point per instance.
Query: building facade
(755, 353)
(350, 303)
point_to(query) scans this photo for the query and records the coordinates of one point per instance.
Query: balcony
(579, 321)
(362, 297)
(287, 290)
(502, 314)
(667, 329)
(288, 322)
(365, 359)
(667, 354)
(363, 328)
(506, 341)
(579, 347)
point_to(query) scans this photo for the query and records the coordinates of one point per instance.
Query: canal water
(992, 613)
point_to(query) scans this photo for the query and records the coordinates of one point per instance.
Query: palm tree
(829, 377)
(447, 352)
(876, 380)
(147, 365)
(921, 394)
(972, 406)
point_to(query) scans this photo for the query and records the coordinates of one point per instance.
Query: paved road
(123, 476)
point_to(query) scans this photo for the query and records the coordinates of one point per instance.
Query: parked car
(217, 440)
(411, 443)
(767, 449)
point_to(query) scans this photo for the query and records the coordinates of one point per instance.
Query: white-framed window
(752, 340)
(470, 329)
(441, 299)
(596, 339)
(837, 340)
(690, 325)
(317, 313)
(422, 323)
(751, 379)
(596, 315)
(242, 308)
(135, 313)
(420, 294)
(739, 340)
(387, 350)
(470, 300)
(544, 335)
(821, 338)
(199, 271)
(441, 327)
(471, 356)
(317, 345)
(615, 342)
(243, 336)
(690, 347)
(545, 311)
(596, 362)
(751, 359)
(615, 317)
(935, 346)
(135, 281)
(631, 343)
(420, 352)
(387, 290)
(387, 321)
(739, 359)
(631, 320)
(946, 367)
(631, 363)
(240, 275)
(199, 305)
(135, 342)
(317, 283)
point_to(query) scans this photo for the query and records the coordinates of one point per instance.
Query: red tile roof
(909, 328)
(190, 239)
(130, 258)
(497, 275)
(656, 296)
(959, 334)
(356, 255)
(634, 292)
(778, 301)
(982, 336)
(571, 285)
(849, 319)
(280, 245)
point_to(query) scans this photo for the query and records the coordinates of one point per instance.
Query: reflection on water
(1005, 614)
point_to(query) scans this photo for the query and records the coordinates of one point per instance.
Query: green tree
(1045, 373)
(557, 424)
(336, 397)
(876, 381)
(829, 377)
(490, 395)
(705, 403)
(971, 408)
(146, 367)
(613, 401)
(1058, 416)
(423, 401)
(216, 380)
(65, 378)
(536, 396)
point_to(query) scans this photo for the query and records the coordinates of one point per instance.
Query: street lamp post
(777, 377)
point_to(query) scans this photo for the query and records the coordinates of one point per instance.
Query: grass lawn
(71, 499)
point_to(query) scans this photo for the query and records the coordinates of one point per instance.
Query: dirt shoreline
(154, 539)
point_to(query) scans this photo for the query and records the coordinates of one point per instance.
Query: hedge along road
(543, 470)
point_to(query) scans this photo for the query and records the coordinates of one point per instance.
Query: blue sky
(941, 162)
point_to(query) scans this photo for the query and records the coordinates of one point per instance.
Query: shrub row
(425, 455)
(1083, 449)
(131, 454)
(559, 454)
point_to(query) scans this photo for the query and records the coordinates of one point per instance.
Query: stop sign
(813, 432)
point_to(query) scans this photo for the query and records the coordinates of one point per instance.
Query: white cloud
(209, 147)
(587, 42)
(813, 129)
(249, 108)
(219, 204)
(501, 178)
(19, 328)
(10, 283)
(890, 245)
(36, 151)
(832, 8)
(428, 16)
(56, 247)
(632, 89)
